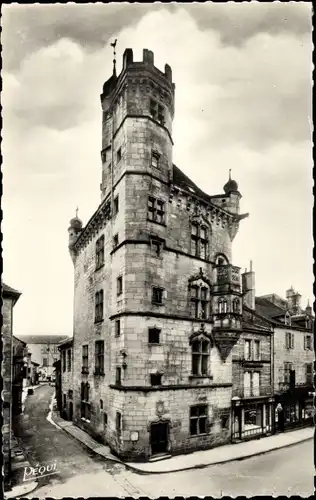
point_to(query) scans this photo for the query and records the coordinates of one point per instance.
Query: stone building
(44, 350)
(253, 402)
(64, 392)
(293, 357)
(9, 395)
(157, 299)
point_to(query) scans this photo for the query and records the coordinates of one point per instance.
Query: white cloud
(243, 107)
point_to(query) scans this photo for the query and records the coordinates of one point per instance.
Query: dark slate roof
(43, 339)
(20, 340)
(266, 308)
(66, 342)
(183, 181)
(8, 290)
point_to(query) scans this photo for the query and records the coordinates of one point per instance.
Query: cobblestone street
(287, 471)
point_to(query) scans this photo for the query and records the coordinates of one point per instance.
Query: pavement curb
(202, 466)
(18, 494)
(199, 466)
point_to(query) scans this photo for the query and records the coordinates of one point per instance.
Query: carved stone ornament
(199, 219)
(225, 342)
(200, 276)
(160, 408)
(202, 334)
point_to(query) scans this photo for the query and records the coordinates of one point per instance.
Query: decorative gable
(200, 277)
(202, 334)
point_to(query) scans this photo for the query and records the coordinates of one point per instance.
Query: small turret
(232, 194)
(308, 309)
(74, 231)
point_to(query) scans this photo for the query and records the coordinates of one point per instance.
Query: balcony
(227, 279)
(227, 321)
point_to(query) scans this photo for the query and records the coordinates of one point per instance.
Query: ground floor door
(70, 410)
(159, 438)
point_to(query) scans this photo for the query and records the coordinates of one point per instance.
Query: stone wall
(6, 364)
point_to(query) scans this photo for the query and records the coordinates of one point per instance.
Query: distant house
(12, 372)
(44, 349)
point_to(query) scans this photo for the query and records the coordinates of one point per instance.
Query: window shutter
(292, 340)
(305, 342)
(286, 340)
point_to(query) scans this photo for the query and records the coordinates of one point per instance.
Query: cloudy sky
(243, 101)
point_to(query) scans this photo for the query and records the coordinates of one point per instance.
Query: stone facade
(293, 357)
(9, 298)
(164, 269)
(66, 379)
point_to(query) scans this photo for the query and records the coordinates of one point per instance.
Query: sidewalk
(198, 459)
(18, 463)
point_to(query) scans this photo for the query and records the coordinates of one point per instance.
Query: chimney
(248, 288)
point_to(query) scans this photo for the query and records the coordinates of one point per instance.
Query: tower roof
(231, 186)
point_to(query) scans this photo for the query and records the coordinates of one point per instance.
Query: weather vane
(230, 171)
(77, 209)
(113, 44)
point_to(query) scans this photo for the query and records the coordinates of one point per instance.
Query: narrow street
(43, 443)
(287, 471)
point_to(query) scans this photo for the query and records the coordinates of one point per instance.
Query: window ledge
(98, 374)
(154, 343)
(99, 267)
(157, 222)
(200, 376)
(85, 419)
(157, 303)
(98, 321)
(198, 435)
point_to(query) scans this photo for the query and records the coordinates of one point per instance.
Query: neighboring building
(157, 300)
(44, 349)
(9, 299)
(293, 357)
(19, 373)
(253, 402)
(32, 371)
(65, 387)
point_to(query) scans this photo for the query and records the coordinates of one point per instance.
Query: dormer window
(287, 319)
(155, 157)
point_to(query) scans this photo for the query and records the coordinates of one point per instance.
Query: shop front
(252, 418)
(293, 410)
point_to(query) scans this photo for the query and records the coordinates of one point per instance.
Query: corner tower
(137, 115)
